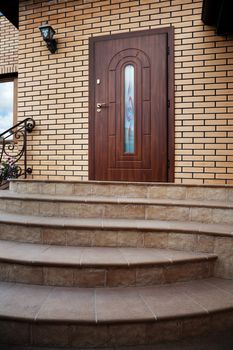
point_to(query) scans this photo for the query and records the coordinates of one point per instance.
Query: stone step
(106, 232)
(125, 189)
(117, 207)
(100, 267)
(109, 317)
(177, 235)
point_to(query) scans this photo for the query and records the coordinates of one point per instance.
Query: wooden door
(130, 115)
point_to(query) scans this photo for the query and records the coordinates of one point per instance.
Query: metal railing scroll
(13, 151)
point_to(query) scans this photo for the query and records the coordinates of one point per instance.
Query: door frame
(169, 31)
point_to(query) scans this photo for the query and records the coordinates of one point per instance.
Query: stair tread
(113, 305)
(41, 254)
(105, 223)
(8, 194)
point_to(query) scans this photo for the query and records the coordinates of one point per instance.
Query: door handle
(99, 106)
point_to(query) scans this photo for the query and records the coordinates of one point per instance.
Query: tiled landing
(125, 189)
(115, 305)
(109, 317)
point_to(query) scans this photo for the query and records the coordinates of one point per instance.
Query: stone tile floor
(217, 341)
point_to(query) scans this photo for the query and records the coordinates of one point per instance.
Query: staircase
(108, 265)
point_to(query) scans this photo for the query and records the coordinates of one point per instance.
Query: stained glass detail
(129, 109)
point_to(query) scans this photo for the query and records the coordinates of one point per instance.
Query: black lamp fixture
(47, 33)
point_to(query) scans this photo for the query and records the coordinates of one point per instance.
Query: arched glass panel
(129, 117)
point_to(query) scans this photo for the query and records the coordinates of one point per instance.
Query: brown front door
(130, 119)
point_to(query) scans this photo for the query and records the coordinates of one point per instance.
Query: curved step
(117, 207)
(113, 317)
(125, 189)
(178, 235)
(99, 232)
(100, 267)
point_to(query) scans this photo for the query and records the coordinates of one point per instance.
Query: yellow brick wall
(53, 89)
(8, 47)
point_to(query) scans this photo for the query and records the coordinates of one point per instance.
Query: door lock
(99, 106)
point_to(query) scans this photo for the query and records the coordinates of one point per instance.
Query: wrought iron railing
(13, 153)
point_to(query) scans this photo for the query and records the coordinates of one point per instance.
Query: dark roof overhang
(10, 9)
(218, 13)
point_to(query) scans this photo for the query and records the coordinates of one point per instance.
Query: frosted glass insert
(129, 109)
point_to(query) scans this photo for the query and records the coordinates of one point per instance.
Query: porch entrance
(131, 107)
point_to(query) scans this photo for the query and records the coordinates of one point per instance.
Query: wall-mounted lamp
(47, 33)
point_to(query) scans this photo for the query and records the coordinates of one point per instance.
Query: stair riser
(105, 277)
(126, 190)
(110, 335)
(118, 210)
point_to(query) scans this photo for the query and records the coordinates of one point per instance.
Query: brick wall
(8, 47)
(54, 88)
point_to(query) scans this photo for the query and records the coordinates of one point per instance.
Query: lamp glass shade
(47, 32)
